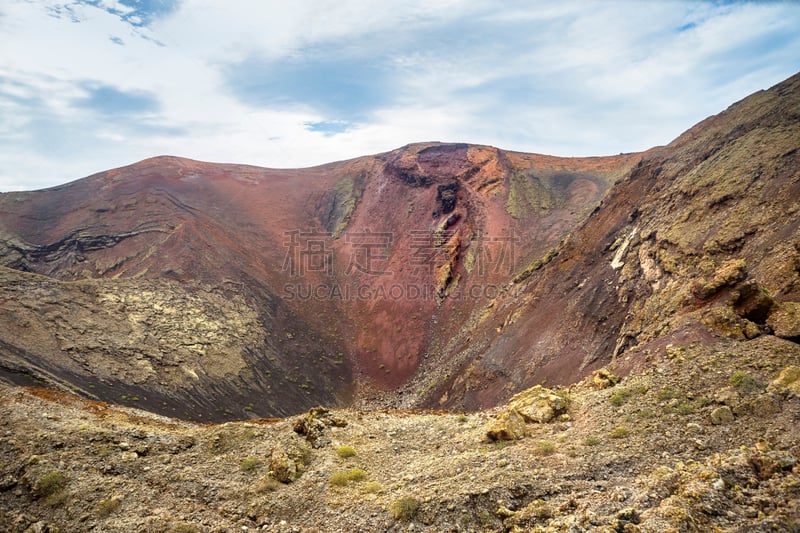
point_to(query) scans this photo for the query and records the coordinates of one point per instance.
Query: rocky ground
(700, 438)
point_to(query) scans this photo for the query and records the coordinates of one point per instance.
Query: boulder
(314, 423)
(507, 426)
(787, 383)
(728, 274)
(604, 379)
(785, 320)
(538, 404)
(765, 405)
(721, 415)
(754, 303)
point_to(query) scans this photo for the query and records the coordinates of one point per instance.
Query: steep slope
(216, 291)
(700, 240)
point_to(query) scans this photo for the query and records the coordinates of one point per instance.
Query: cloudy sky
(87, 85)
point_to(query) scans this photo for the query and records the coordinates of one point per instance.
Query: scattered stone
(694, 427)
(7, 483)
(727, 396)
(39, 527)
(768, 464)
(765, 405)
(627, 520)
(504, 512)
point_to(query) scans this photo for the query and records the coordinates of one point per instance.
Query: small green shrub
(666, 393)
(619, 397)
(591, 441)
(703, 401)
(345, 451)
(58, 499)
(372, 487)
(267, 484)
(250, 463)
(51, 483)
(500, 444)
(338, 479)
(404, 508)
(485, 519)
(646, 413)
(304, 455)
(108, 506)
(619, 432)
(746, 382)
(544, 447)
(685, 408)
(356, 474)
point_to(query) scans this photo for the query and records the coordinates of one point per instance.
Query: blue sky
(87, 85)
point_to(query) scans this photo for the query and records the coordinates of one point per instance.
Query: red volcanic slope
(376, 258)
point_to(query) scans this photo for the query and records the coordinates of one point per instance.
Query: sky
(89, 85)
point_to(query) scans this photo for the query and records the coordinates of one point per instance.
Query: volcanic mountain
(622, 334)
(443, 275)
(216, 291)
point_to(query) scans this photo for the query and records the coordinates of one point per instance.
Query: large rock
(787, 382)
(785, 320)
(604, 379)
(728, 274)
(538, 404)
(721, 415)
(314, 423)
(507, 426)
(535, 405)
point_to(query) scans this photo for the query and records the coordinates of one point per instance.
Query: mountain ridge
(253, 231)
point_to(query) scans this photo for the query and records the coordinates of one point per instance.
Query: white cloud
(568, 78)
